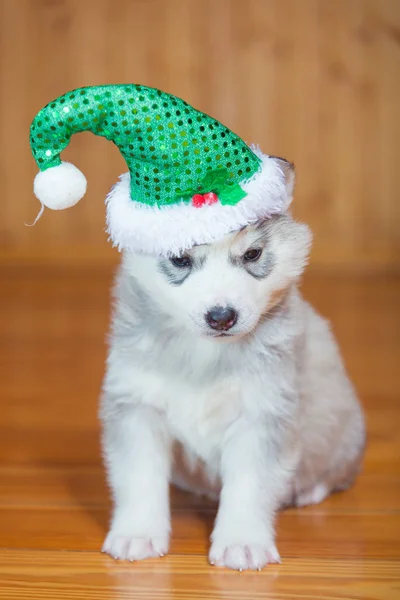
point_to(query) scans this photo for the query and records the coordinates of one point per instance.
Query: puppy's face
(224, 289)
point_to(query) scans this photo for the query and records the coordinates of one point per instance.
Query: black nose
(221, 318)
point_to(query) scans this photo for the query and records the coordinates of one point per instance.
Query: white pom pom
(60, 187)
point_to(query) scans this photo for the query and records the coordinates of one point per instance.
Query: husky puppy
(223, 380)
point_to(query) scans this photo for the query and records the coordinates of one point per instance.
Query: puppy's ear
(290, 243)
(288, 171)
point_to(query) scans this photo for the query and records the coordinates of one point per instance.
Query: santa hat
(191, 180)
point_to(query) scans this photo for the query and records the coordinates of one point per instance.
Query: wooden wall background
(315, 81)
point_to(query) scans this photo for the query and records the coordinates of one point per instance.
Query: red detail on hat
(210, 198)
(199, 200)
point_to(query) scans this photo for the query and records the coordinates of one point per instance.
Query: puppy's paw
(242, 557)
(129, 547)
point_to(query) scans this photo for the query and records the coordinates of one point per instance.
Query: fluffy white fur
(263, 419)
(172, 229)
(60, 187)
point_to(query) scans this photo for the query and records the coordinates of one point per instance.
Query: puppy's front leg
(137, 455)
(253, 480)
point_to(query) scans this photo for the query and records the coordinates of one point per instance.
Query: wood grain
(315, 81)
(308, 533)
(31, 486)
(66, 575)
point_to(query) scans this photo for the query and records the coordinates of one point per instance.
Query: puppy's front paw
(243, 556)
(129, 547)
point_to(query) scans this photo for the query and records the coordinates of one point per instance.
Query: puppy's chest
(198, 416)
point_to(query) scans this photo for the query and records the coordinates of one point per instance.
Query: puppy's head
(223, 290)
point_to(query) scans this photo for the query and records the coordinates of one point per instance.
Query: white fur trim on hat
(171, 230)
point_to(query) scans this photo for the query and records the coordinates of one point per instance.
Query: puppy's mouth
(231, 335)
(221, 335)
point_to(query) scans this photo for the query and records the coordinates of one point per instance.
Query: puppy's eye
(252, 255)
(182, 262)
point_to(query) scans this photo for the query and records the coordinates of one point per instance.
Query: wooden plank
(300, 533)
(30, 487)
(25, 574)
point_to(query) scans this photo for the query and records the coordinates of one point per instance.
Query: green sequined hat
(191, 180)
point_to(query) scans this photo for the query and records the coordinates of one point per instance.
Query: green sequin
(150, 128)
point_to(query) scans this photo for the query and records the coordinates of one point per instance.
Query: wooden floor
(53, 501)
